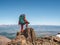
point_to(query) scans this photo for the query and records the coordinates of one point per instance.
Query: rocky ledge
(28, 37)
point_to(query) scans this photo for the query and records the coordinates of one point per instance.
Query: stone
(29, 33)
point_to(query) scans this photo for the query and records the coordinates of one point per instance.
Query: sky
(38, 12)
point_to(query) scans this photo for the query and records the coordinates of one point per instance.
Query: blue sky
(38, 12)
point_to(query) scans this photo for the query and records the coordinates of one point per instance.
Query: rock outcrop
(30, 34)
(28, 37)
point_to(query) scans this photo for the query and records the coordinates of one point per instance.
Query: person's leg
(26, 25)
(21, 28)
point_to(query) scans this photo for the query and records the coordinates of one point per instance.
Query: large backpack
(21, 19)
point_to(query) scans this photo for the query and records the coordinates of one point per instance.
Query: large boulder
(56, 39)
(29, 33)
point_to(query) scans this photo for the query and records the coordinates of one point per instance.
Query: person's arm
(25, 20)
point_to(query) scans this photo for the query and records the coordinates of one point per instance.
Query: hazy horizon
(40, 30)
(29, 25)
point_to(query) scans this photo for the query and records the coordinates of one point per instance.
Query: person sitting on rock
(23, 21)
